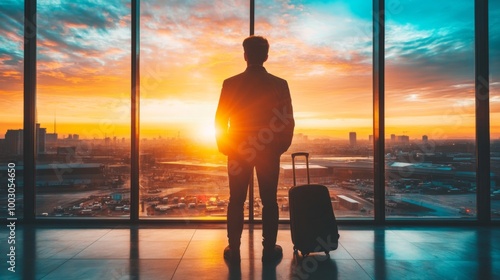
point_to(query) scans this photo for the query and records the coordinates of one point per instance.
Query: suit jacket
(254, 114)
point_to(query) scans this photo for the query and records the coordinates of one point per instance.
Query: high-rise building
(14, 142)
(51, 137)
(352, 138)
(40, 138)
(425, 138)
(403, 139)
(393, 137)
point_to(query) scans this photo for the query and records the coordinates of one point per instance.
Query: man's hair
(256, 49)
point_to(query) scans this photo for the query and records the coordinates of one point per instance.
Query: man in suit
(254, 126)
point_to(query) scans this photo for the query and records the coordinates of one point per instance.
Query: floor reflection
(314, 266)
(196, 252)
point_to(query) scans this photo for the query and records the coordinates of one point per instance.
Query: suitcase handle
(306, 155)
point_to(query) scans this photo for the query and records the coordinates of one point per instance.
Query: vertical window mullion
(482, 111)
(29, 131)
(378, 109)
(135, 98)
(252, 17)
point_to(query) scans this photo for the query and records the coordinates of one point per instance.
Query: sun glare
(206, 133)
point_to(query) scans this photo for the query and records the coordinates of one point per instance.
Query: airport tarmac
(449, 205)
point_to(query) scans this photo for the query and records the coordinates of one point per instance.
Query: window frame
(482, 116)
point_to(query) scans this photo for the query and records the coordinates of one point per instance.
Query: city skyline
(13, 139)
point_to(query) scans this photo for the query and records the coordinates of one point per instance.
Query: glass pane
(187, 50)
(11, 98)
(430, 120)
(324, 50)
(83, 108)
(494, 40)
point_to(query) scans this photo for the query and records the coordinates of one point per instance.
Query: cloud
(185, 45)
(84, 44)
(11, 58)
(99, 14)
(323, 48)
(11, 40)
(433, 62)
(83, 26)
(494, 41)
(441, 51)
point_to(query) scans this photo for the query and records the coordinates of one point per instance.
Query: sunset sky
(323, 49)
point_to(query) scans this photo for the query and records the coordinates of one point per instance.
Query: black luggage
(312, 221)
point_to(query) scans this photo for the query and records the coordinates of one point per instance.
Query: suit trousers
(240, 169)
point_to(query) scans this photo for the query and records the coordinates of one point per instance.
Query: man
(254, 126)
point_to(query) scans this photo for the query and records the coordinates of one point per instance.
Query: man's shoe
(272, 255)
(232, 256)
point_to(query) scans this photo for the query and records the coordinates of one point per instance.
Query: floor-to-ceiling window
(494, 59)
(324, 50)
(83, 108)
(187, 50)
(430, 119)
(11, 114)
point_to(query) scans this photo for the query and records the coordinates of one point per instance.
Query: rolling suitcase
(312, 221)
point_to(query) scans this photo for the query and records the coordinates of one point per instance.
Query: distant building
(352, 138)
(66, 150)
(315, 171)
(51, 137)
(14, 142)
(349, 203)
(70, 174)
(40, 139)
(300, 137)
(403, 139)
(370, 138)
(393, 137)
(425, 138)
(61, 175)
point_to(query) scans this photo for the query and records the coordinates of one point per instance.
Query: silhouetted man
(254, 126)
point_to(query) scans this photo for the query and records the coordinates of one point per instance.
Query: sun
(208, 132)
(205, 133)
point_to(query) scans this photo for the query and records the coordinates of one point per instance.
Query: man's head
(256, 49)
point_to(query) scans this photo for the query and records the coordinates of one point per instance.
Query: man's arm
(288, 119)
(222, 121)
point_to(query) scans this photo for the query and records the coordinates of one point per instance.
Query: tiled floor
(195, 252)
